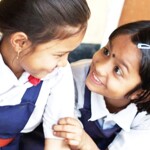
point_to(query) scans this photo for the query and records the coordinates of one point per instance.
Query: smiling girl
(112, 94)
(36, 83)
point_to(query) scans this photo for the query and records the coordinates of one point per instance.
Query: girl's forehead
(125, 50)
(120, 40)
(122, 44)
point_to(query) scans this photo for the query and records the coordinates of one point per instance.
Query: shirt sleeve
(60, 102)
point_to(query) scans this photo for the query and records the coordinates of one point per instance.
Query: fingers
(70, 129)
(70, 121)
(67, 131)
(67, 135)
(72, 142)
(70, 138)
(66, 128)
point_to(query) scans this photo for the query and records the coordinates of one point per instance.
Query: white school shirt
(135, 133)
(55, 100)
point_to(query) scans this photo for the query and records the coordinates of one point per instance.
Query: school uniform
(28, 105)
(130, 130)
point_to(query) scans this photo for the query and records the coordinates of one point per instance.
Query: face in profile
(44, 58)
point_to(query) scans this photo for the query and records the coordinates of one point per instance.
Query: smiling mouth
(95, 79)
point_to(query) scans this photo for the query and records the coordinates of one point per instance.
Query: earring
(18, 55)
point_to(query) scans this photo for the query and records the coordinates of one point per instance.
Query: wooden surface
(134, 10)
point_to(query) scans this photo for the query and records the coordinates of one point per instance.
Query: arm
(60, 104)
(75, 136)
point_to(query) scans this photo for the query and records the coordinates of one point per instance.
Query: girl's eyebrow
(110, 44)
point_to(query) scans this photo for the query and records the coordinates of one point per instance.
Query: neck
(9, 58)
(115, 107)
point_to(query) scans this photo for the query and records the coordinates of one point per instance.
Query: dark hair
(140, 33)
(43, 20)
(143, 100)
(130, 28)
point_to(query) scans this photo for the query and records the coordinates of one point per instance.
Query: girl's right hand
(71, 130)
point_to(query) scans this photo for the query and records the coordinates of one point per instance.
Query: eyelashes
(106, 52)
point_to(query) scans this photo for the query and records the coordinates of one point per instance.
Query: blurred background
(106, 15)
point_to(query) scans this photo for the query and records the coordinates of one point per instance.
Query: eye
(63, 54)
(60, 55)
(118, 71)
(106, 51)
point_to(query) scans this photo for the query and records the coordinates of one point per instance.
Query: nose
(103, 68)
(63, 61)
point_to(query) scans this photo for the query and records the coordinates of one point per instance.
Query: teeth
(96, 78)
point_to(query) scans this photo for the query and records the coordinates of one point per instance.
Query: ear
(19, 41)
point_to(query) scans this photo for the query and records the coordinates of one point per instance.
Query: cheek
(95, 56)
(29, 66)
(116, 88)
(39, 66)
(30, 63)
(122, 88)
(98, 58)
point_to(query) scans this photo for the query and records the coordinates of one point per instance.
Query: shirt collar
(123, 118)
(98, 107)
(7, 77)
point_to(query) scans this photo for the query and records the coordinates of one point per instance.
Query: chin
(89, 85)
(92, 87)
(40, 76)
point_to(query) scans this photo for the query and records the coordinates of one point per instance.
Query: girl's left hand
(71, 130)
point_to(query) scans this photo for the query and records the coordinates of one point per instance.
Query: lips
(95, 79)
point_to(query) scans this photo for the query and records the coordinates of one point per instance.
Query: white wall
(104, 19)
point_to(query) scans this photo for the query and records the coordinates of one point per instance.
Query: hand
(71, 130)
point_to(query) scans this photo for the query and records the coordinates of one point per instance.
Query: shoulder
(63, 72)
(138, 136)
(80, 68)
(141, 121)
(81, 63)
(66, 68)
